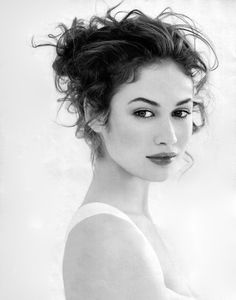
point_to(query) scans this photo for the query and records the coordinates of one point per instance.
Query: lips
(162, 155)
(161, 161)
(163, 158)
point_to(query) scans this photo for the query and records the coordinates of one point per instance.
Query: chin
(155, 177)
(159, 178)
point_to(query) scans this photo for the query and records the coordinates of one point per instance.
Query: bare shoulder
(109, 240)
(100, 235)
(106, 257)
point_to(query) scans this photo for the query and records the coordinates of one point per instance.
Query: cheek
(124, 136)
(185, 133)
(125, 140)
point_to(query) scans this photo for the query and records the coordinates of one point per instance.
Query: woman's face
(146, 118)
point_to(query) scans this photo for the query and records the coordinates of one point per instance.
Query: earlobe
(95, 123)
(87, 110)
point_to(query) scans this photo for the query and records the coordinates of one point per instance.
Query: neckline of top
(125, 216)
(149, 217)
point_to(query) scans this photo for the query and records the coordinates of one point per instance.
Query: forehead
(162, 82)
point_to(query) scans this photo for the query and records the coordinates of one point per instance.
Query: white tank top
(95, 208)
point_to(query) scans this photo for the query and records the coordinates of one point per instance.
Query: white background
(45, 170)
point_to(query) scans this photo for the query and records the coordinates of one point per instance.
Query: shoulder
(101, 236)
(106, 254)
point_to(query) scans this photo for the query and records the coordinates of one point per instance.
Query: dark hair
(94, 58)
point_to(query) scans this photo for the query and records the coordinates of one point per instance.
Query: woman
(134, 84)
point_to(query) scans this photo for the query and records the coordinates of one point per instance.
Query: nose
(165, 134)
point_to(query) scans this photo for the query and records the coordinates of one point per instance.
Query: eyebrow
(157, 104)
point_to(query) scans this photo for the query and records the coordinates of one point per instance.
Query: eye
(182, 114)
(143, 114)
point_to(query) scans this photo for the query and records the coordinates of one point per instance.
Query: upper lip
(163, 155)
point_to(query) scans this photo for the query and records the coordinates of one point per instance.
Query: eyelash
(145, 110)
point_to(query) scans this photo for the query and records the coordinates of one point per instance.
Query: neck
(113, 185)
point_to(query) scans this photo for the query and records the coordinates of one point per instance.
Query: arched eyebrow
(154, 103)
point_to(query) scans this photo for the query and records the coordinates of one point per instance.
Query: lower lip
(161, 161)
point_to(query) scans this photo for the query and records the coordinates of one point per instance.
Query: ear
(96, 123)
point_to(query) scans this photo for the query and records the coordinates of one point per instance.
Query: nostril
(166, 139)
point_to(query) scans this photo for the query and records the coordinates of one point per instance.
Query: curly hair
(94, 58)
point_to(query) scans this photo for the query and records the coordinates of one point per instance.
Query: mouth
(162, 159)
(163, 155)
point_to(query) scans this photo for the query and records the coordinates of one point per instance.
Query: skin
(121, 178)
(111, 254)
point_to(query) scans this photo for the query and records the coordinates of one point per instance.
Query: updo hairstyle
(94, 58)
